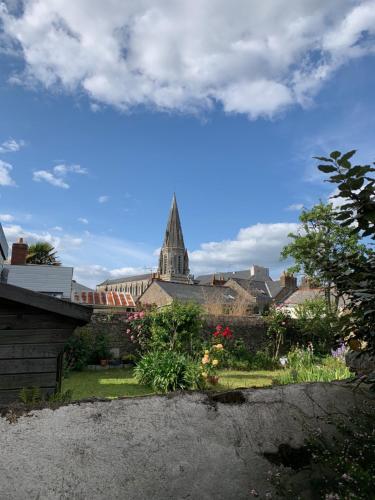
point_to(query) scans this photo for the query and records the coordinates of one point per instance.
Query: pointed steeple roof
(173, 234)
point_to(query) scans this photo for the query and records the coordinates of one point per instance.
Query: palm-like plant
(42, 252)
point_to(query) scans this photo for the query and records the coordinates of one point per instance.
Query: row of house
(238, 292)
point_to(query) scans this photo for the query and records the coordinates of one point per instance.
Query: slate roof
(299, 296)
(206, 279)
(201, 294)
(104, 299)
(126, 279)
(253, 286)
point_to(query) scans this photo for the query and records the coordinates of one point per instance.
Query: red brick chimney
(288, 281)
(19, 253)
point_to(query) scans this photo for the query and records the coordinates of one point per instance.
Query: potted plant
(102, 351)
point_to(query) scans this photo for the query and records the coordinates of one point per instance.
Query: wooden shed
(33, 330)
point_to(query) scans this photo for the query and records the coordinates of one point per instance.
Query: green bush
(246, 360)
(77, 352)
(177, 328)
(167, 371)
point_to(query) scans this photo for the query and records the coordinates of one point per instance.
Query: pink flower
(132, 337)
(142, 314)
(128, 331)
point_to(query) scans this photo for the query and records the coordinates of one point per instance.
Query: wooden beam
(11, 366)
(28, 380)
(30, 350)
(34, 336)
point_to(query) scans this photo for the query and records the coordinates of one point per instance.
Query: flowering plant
(210, 362)
(137, 329)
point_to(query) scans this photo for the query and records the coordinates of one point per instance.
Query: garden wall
(251, 329)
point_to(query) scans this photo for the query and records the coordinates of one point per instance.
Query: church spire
(173, 234)
(174, 260)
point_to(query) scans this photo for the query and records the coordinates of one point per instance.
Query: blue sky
(92, 166)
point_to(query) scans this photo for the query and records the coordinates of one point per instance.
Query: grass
(121, 382)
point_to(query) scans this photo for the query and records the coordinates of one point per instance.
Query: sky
(108, 108)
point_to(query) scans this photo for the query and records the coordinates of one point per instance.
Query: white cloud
(57, 228)
(6, 218)
(295, 207)
(5, 177)
(11, 146)
(45, 175)
(258, 244)
(255, 58)
(103, 199)
(83, 220)
(57, 175)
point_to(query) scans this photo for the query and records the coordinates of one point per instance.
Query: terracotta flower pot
(213, 379)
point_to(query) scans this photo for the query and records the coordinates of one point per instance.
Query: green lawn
(121, 382)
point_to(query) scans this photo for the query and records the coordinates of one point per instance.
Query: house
(216, 300)
(48, 279)
(253, 284)
(33, 330)
(3, 246)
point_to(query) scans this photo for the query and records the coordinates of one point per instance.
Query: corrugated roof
(104, 299)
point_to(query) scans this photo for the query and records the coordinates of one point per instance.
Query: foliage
(317, 322)
(211, 360)
(278, 323)
(319, 241)
(304, 366)
(77, 351)
(168, 371)
(84, 348)
(33, 395)
(354, 273)
(138, 329)
(43, 253)
(177, 327)
(30, 395)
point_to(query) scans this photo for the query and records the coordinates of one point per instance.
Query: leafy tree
(320, 241)
(354, 273)
(42, 252)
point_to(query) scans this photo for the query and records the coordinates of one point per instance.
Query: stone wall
(251, 329)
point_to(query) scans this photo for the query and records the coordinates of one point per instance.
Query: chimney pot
(19, 253)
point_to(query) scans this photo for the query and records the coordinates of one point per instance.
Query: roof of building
(104, 299)
(78, 287)
(45, 302)
(206, 279)
(41, 278)
(254, 287)
(303, 294)
(4, 249)
(197, 293)
(173, 233)
(126, 279)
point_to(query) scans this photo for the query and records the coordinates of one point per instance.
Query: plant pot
(104, 362)
(213, 379)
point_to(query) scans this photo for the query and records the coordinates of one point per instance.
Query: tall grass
(305, 367)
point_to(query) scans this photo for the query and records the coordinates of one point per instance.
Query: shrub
(317, 322)
(77, 351)
(168, 371)
(177, 328)
(278, 323)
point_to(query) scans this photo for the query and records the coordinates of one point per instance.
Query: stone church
(173, 262)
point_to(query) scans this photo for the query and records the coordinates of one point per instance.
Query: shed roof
(45, 302)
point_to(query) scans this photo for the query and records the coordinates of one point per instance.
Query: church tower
(174, 260)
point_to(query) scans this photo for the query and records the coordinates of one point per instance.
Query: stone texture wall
(251, 329)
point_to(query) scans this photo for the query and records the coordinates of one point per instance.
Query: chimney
(19, 253)
(288, 281)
